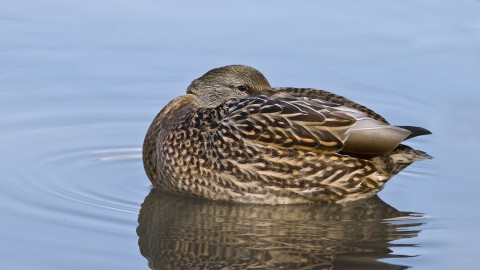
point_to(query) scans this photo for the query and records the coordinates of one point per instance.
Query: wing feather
(371, 134)
(327, 98)
(288, 123)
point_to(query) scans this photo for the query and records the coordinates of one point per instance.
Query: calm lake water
(80, 82)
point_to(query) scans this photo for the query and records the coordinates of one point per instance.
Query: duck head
(221, 84)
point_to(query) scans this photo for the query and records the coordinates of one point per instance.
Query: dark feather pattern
(286, 123)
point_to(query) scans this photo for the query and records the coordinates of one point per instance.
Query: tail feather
(403, 156)
(416, 131)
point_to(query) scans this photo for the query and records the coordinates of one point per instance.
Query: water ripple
(84, 171)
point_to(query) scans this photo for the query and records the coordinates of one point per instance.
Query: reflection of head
(183, 233)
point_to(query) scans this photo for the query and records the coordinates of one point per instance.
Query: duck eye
(242, 88)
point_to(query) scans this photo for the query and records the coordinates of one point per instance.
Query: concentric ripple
(82, 176)
(73, 179)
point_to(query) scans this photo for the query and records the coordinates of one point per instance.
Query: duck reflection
(176, 232)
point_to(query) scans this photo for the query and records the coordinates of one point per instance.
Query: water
(81, 81)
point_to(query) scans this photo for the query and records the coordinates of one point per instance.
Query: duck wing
(328, 96)
(308, 123)
(287, 123)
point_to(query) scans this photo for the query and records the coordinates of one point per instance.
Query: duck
(233, 137)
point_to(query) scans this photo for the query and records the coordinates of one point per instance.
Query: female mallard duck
(233, 137)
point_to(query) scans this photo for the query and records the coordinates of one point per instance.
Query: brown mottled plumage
(233, 137)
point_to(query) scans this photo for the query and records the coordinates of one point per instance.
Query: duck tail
(404, 155)
(416, 131)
